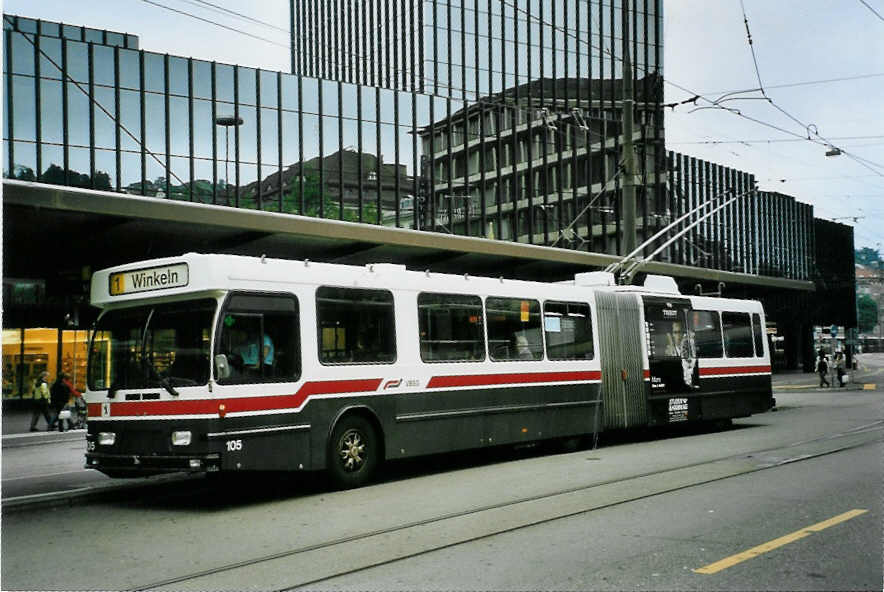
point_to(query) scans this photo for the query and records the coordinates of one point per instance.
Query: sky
(820, 64)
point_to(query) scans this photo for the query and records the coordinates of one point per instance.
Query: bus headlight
(107, 438)
(181, 438)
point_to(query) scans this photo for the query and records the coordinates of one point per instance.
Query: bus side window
(707, 333)
(259, 337)
(737, 334)
(514, 329)
(450, 327)
(356, 326)
(758, 335)
(568, 328)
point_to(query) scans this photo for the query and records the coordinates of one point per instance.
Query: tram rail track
(309, 564)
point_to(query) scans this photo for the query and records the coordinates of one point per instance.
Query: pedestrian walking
(41, 402)
(822, 368)
(839, 368)
(62, 394)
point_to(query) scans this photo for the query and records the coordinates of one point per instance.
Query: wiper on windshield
(147, 365)
(164, 382)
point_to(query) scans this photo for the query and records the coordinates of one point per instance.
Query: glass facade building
(525, 139)
(762, 233)
(535, 161)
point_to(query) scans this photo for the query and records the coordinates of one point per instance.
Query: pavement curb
(37, 438)
(72, 497)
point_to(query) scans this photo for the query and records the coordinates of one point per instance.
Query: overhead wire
(875, 12)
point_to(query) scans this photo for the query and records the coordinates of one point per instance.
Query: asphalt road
(638, 513)
(657, 542)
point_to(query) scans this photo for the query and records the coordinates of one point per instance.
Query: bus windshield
(163, 345)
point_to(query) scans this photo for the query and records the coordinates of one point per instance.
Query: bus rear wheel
(354, 453)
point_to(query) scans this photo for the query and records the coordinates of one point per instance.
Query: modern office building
(484, 136)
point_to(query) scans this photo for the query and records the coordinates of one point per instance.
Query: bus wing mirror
(222, 368)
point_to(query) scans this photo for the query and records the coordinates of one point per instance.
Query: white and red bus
(228, 363)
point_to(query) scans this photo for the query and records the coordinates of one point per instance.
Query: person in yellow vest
(41, 401)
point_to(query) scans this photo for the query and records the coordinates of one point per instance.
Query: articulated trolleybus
(228, 363)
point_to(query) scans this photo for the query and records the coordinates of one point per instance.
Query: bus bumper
(133, 465)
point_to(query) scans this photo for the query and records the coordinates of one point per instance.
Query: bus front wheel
(353, 452)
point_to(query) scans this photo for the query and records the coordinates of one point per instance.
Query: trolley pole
(629, 209)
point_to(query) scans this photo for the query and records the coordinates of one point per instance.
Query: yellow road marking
(771, 545)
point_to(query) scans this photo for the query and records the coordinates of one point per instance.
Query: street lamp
(227, 121)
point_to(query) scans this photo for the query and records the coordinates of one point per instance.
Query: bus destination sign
(145, 280)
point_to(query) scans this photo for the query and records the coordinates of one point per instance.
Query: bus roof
(197, 273)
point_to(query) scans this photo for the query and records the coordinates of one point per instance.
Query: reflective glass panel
(130, 120)
(269, 87)
(269, 137)
(202, 79)
(248, 135)
(179, 178)
(349, 93)
(179, 127)
(369, 103)
(329, 97)
(78, 116)
(24, 115)
(310, 95)
(50, 111)
(290, 138)
(155, 116)
(25, 161)
(289, 92)
(202, 183)
(105, 126)
(129, 69)
(103, 65)
(130, 172)
(178, 76)
(202, 128)
(22, 54)
(224, 83)
(246, 86)
(94, 36)
(105, 169)
(51, 29)
(154, 72)
(72, 32)
(50, 57)
(388, 110)
(79, 167)
(52, 158)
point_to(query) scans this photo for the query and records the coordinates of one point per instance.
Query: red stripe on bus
(500, 379)
(734, 370)
(237, 404)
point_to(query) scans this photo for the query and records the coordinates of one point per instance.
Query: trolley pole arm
(615, 266)
(626, 276)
